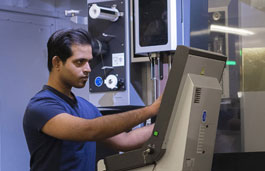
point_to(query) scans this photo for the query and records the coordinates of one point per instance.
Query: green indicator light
(155, 133)
(230, 62)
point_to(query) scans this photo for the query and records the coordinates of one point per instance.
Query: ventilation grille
(197, 95)
(201, 138)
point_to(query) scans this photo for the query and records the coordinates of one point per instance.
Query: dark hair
(61, 41)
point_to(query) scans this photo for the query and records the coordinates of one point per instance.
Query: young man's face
(74, 72)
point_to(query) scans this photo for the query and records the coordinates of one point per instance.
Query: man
(61, 128)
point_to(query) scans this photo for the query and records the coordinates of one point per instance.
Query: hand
(156, 105)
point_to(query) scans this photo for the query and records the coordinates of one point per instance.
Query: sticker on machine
(117, 59)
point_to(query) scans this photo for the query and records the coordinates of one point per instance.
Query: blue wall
(25, 26)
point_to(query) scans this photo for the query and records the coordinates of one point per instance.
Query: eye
(79, 62)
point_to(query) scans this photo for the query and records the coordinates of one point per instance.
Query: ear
(56, 63)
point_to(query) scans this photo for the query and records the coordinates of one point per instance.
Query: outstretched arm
(68, 127)
(131, 140)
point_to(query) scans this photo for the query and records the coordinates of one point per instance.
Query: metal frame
(173, 27)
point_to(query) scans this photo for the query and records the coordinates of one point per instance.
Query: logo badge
(204, 116)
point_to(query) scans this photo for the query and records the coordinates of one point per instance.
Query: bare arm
(68, 127)
(131, 140)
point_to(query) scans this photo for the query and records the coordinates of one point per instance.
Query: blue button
(204, 116)
(98, 81)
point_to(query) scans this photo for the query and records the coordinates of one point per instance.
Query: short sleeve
(41, 111)
(90, 111)
(95, 109)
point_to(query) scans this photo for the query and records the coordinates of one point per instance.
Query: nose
(87, 68)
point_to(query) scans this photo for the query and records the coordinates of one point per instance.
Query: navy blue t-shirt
(51, 154)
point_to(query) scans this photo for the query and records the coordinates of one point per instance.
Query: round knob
(111, 81)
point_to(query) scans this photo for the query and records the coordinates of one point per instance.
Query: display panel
(153, 21)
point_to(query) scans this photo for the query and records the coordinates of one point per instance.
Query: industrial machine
(127, 31)
(184, 134)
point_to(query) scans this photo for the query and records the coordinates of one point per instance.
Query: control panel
(106, 23)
